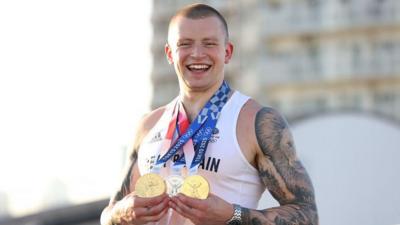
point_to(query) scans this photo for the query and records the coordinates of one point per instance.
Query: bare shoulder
(150, 119)
(260, 130)
(145, 124)
(245, 131)
(250, 108)
(272, 131)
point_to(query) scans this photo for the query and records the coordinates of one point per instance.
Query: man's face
(199, 51)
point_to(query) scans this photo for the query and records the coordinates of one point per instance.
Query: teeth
(198, 67)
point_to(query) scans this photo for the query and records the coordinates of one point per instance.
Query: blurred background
(76, 76)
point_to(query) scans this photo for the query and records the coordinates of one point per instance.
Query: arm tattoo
(125, 186)
(283, 175)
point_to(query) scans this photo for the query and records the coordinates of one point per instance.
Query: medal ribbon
(199, 131)
(171, 109)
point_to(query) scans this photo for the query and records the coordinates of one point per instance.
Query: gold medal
(195, 186)
(150, 185)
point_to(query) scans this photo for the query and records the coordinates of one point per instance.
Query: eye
(210, 44)
(183, 44)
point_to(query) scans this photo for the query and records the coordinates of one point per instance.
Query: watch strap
(237, 216)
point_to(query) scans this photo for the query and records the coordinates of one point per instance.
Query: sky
(74, 81)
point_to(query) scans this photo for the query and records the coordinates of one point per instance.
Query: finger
(172, 204)
(143, 202)
(152, 210)
(175, 205)
(154, 218)
(186, 210)
(192, 202)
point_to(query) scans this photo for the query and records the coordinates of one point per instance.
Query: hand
(136, 210)
(212, 210)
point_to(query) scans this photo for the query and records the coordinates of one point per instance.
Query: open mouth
(198, 67)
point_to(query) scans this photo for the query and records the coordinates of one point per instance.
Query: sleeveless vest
(230, 175)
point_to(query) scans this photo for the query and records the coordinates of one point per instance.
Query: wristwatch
(237, 216)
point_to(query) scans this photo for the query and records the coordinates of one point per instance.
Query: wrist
(108, 217)
(115, 215)
(115, 220)
(236, 218)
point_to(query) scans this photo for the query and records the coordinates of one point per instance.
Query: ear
(228, 52)
(168, 53)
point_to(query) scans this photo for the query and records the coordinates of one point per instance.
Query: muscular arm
(283, 174)
(126, 184)
(125, 189)
(124, 204)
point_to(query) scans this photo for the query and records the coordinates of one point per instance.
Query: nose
(197, 51)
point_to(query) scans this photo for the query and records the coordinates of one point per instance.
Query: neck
(194, 101)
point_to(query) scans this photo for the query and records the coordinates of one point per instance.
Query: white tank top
(230, 175)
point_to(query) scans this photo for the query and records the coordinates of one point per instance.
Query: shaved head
(199, 11)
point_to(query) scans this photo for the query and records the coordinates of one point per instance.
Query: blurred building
(302, 56)
(308, 57)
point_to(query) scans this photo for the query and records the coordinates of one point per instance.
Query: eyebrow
(209, 39)
(185, 39)
(204, 39)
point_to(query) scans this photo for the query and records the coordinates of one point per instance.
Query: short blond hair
(199, 11)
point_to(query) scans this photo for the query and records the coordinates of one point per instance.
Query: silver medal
(174, 184)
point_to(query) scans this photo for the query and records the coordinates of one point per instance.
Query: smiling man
(207, 157)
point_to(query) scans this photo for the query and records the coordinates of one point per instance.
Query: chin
(195, 85)
(200, 85)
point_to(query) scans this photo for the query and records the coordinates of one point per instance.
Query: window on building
(355, 59)
(274, 4)
(313, 3)
(314, 56)
(385, 101)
